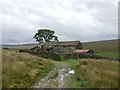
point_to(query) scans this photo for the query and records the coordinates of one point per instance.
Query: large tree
(45, 35)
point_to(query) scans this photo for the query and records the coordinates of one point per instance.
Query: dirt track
(57, 78)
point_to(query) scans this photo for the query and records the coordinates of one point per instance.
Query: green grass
(102, 46)
(21, 70)
(108, 54)
(107, 48)
(72, 63)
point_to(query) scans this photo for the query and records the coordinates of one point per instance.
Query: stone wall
(85, 55)
(63, 50)
(56, 56)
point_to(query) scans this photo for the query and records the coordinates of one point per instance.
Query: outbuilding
(84, 51)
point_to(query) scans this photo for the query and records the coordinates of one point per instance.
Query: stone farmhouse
(58, 47)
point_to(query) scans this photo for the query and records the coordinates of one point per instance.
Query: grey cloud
(70, 20)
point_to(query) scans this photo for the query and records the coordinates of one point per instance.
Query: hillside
(102, 46)
(21, 70)
(21, 46)
(7, 46)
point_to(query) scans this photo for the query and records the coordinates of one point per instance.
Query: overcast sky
(71, 20)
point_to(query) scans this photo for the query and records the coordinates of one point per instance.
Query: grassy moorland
(102, 46)
(108, 48)
(92, 73)
(21, 70)
(109, 54)
(25, 46)
(99, 73)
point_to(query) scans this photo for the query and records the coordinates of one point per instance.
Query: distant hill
(25, 46)
(7, 45)
(21, 46)
(102, 46)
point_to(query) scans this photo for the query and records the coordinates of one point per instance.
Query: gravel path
(59, 77)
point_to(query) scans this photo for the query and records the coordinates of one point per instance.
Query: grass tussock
(98, 73)
(21, 70)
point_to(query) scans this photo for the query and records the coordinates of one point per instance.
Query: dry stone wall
(56, 56)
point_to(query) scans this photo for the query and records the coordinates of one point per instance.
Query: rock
(71, 72)
(37, 86)
(66, 74)
(62, 69)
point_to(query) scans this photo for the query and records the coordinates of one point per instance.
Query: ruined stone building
(58, 47)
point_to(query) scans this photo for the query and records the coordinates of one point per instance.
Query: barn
(58, 47)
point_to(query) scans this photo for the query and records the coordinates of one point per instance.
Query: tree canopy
(45, 35)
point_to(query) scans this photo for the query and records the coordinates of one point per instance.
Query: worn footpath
(59, 77)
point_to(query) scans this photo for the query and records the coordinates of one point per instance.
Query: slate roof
(48, 44)
(69, 43)
(65, 43)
